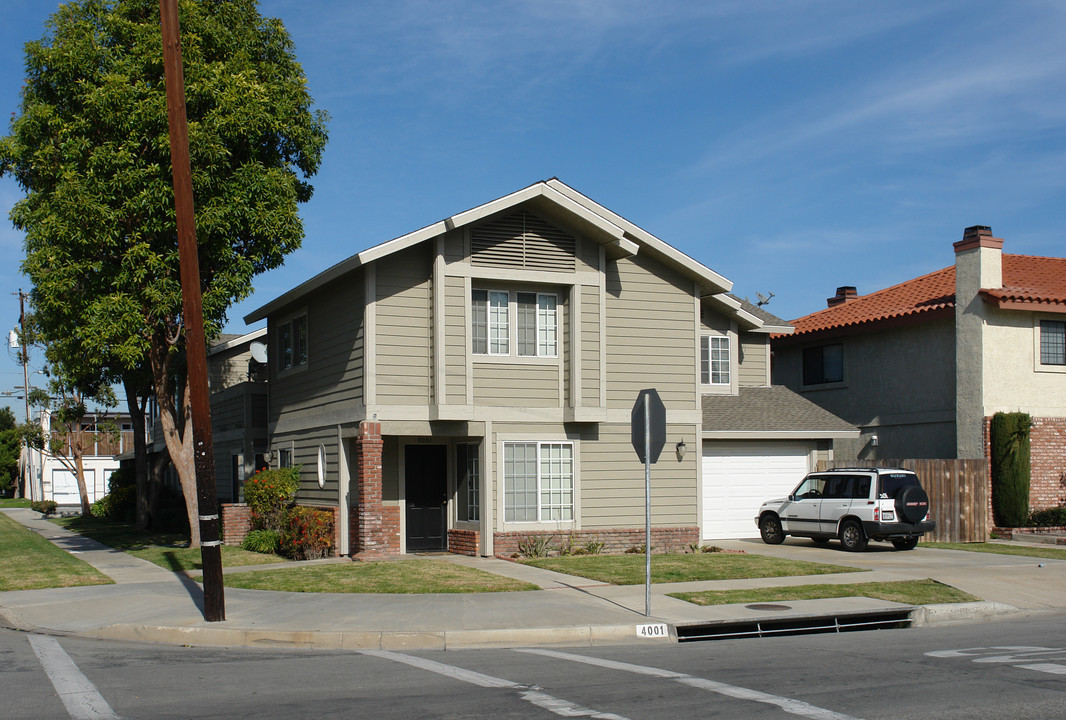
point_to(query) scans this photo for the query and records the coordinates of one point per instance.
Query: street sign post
(648, 427)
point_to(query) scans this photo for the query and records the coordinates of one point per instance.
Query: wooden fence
(958, 494)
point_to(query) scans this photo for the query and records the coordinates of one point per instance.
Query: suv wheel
(908, 543)
(770, 527)
(852, 537)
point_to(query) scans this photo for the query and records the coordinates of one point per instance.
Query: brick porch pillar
(370, 539)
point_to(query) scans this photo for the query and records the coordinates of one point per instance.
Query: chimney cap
(977, 236)
(977, 231)
(845, 294)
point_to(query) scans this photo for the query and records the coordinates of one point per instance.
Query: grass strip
(671, 568)
(406, 576)
(1053, 553)
(908, 592)
(29, 562)
(14, 502)
(169, 551)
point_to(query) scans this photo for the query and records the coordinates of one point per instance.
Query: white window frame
(708, 360)
(502, 334)
(544, 492)
(287, 342)
(1038, 340)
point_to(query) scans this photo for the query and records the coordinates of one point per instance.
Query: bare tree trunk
(177, 432)
(79, 472)
(155, 486)
(136, 406)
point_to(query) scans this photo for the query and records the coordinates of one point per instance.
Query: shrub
(1010, 468)
(1048, 517)
(306, 534)
(45, 507)
(119, 505)
(535, 546)
(269, 493)
(593, 547)
(262, 541)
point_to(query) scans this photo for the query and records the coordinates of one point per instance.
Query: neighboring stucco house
(922, 366)
(471, 383)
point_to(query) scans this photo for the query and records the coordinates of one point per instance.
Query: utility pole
(24, 356)
(192, 314)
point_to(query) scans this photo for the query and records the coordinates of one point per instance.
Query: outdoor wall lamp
(874, 441)
(680, 449)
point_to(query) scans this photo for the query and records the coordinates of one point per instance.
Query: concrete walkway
(149, 603)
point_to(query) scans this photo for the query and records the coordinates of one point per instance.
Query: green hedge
(1010, 468)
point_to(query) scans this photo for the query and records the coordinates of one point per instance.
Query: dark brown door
(426, 492)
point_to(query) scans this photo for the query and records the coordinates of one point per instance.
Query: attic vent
(522, 240)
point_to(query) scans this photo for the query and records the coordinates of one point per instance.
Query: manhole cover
(767, 606)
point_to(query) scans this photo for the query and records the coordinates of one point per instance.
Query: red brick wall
(463, 542)
(615, 540)
(378, 525)
(236, 523)
(1047, 462)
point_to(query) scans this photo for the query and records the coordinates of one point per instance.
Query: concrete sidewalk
(148, 603)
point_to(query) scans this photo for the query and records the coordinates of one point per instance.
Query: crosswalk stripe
(79, 696)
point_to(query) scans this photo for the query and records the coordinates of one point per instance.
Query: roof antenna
(763, 299)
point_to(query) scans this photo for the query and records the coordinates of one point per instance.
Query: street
(1005, 670)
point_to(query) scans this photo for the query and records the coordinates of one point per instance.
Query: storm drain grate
(845, 622)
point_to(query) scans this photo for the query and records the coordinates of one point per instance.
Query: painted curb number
(653, 630)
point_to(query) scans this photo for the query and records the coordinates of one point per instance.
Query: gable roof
(1027, 280)
(555, 198)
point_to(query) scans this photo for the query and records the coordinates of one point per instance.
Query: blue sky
(790, 146)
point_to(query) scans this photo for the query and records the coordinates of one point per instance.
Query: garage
(739, 476)
(65, 487)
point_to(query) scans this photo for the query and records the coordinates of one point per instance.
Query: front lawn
(671, 568)
(29, 562)
(908, 592)
(170, 551)
(1053, 553)
(405, 576)
(14, 502)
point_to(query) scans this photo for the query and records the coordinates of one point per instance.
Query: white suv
(854, 504)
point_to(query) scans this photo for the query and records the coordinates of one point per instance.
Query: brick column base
(376, 535)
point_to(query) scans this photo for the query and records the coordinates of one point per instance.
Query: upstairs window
(1052, 342)
(823, 364)
(535, 320)
(292, 342)
(714, 360)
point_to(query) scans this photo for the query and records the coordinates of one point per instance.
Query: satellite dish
(259, 352)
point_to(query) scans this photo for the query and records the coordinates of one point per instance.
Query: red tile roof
(1027, 280)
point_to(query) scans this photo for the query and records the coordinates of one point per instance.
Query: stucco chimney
(845, 294)
(978, 266)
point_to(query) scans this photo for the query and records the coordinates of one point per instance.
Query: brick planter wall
(615, 540)
(1020, 533)
(236, 523)
(463, 542)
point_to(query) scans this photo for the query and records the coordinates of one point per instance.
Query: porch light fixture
(680, 449)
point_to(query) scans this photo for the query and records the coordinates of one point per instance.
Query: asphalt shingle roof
(768, 409)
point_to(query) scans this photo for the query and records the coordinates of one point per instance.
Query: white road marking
(1019, 656)
(795, 707)
(528, 693)
(79, 696)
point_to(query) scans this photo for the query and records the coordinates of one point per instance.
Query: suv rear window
(892, 483)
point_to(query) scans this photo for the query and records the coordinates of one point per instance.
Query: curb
(952, 613)
(576, 636)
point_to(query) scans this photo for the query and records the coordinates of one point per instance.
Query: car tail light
(877, 514)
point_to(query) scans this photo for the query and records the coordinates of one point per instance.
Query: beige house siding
(650, 333)
(754, 367)
(456, 339)
(517, 384)
(591, 345)
(304, 446)
(404, 326)
(612, 480)
(333, 375)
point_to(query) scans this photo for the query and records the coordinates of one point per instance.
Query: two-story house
(922, 366)
(471, 383)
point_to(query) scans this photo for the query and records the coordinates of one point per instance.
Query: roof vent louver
(522, 240)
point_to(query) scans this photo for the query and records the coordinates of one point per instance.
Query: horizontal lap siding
(334, 371)
(404, 325)
(516, 385)
(590, 346)
(753, 356)
(650, 334)
(612, 481)
(305, 454)
(455, 339)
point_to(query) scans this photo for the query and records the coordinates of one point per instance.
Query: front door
(426, 494)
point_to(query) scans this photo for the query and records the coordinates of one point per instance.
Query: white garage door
(65, 487)
(738, 477)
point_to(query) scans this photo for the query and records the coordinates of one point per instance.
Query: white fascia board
(779, 434)
(540, 189)
(775, 329)
(715, 281)
(733, 307)
(247, 337)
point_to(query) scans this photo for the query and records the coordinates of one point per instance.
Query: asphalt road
(999, 670)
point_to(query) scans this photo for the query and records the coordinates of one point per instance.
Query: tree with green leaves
(90, 147)
(10, 450)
